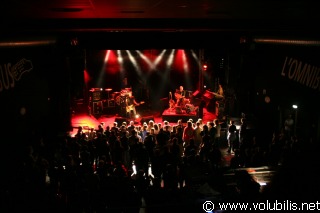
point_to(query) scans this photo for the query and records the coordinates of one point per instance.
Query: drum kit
(183, 103)
(190, 108)
(120, 97)
(108, 90)
(126, 92)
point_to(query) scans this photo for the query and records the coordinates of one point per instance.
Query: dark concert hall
(150, 106)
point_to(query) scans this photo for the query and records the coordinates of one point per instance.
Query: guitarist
(131, 104)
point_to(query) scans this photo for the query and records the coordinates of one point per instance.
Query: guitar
(132, 106)
(171, 101)
(178, 95)
(216, 95)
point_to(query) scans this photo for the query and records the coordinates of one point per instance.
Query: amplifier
(96, 95)
(97, 107)
(105, 103)
(111, 103)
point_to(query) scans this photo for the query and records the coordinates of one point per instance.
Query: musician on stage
(179, 95)
(180, 92)
(220, 90)
(219, 95)
(131, 104)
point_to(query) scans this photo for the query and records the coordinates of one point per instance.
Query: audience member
(232, 137)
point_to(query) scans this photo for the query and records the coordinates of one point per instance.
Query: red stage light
(204, 67)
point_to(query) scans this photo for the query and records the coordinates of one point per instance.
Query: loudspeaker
(164, 104)
(111, 103)
(96, 95)
(105, 103)
(97, 107)
(146, 119)
(120, 120)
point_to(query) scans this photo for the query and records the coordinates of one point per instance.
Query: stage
(173, 115)
(90, 121)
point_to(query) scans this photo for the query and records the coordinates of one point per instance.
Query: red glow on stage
(150, 56)
(111, 61)
(205, 67)
(86, 76)
(85, 121)
(250, 170)
(179, 61)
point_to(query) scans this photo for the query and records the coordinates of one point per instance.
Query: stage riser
(175, 118)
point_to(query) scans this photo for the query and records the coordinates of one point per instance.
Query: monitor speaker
(120, 120)
(146, 119)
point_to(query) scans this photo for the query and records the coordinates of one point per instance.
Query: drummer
(180, 96)
(180, 93)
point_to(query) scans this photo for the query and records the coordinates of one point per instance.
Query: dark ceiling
(199, 19)
(159, 9)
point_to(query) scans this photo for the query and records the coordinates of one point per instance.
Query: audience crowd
(156, 166)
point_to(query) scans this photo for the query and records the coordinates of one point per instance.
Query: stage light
(204, 67)
(158, 59)
(146, 59)
(185, 62)
(150, 170)
(134, 169)
(170, 59)
(295, 107)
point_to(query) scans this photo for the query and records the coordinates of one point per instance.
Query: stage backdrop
(151, 73)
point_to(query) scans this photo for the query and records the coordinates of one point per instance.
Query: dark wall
(34, 96)
(286, 74)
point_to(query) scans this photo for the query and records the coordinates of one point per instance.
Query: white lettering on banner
(10, 74)
(303, 73)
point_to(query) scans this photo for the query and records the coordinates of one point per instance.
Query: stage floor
(171, 115)
(90, 121)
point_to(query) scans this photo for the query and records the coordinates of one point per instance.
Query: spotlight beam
(134, 63)
(101, 74)
(147, 60)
